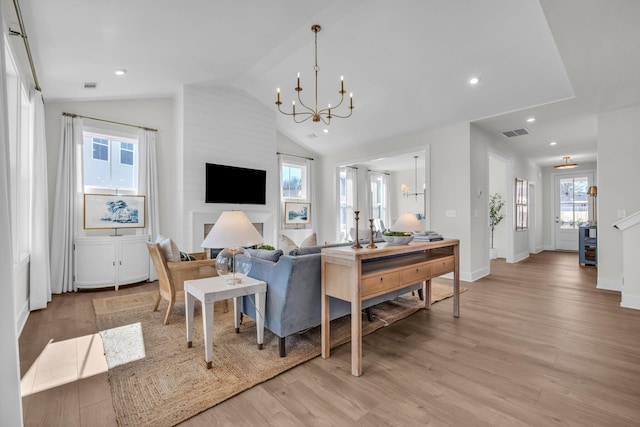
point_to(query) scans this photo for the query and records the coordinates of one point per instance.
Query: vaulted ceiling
(407, 62)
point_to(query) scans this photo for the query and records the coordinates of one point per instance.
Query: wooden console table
(355, 275)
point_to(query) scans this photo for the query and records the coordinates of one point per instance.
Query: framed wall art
(297, 213)
(113, 211)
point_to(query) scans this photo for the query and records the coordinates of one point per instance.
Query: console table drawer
(379, 283)
(443, 266)
(415, 274)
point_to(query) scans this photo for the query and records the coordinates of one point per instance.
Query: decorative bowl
(397, 240)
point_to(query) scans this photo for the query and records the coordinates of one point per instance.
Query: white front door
(571, 208)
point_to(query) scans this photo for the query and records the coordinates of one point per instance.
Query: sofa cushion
(269, 255)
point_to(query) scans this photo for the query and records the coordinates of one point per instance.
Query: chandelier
(566, 164)
(406, 190)
(326, 114)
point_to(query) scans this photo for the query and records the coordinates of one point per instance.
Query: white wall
(225, 126)
(155, 113)
(618, 177)
(498, 185)
(449, 187)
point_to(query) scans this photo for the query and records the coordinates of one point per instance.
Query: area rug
(156, 380)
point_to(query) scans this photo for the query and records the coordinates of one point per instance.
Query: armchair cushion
(169, 248)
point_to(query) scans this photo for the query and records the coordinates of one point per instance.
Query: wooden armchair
(172, 274)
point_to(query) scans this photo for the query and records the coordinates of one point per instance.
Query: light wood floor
(536, 345)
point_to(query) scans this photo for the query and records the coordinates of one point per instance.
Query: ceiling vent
(90, 85)
(515, 132)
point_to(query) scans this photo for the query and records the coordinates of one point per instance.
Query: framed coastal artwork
(113, 211)
(297, 213)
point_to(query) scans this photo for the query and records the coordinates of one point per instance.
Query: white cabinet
(110, 261)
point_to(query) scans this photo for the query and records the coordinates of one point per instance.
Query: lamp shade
(408, 222)
(593, 191)
(232, 229)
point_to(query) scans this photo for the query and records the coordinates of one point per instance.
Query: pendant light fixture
(406, 190)
(305, 113)
(567, 163)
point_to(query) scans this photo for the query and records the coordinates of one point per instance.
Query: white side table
(213, 289)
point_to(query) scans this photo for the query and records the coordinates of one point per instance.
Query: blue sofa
(293, 301)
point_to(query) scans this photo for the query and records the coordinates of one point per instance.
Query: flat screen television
(232, 184)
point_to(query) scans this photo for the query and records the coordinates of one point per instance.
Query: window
(126, 153)
(348, 182)
(100, 149)
(522, 204)
(20, 124)
(294, 180)
(379, 197)
(110, 161)
(574, 207)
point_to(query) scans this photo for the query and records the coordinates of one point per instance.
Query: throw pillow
(289, 244)
(266, 254)
(312, 240)
(169, 248)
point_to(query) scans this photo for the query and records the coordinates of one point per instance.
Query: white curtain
(66, 206)
(11, 402)
(351, 199)
(149, 186)
(39, 271)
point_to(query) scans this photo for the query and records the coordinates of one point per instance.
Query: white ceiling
(407, 62)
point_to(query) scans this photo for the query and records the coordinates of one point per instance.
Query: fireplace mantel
(199, 219)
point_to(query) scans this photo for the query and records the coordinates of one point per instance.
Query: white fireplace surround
(199, 219)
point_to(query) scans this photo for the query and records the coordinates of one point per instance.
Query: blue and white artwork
(297, 213)
(113, 211)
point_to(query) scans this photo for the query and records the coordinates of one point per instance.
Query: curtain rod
(382, 172)
(22, 33)
(109, 121)
(294, 155)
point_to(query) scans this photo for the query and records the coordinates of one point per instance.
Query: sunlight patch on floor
(63, 362)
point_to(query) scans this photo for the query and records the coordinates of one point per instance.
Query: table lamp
(408, 223)
(232, 231)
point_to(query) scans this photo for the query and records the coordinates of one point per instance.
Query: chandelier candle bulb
(341, 84)
(278, 102)
(298, 88)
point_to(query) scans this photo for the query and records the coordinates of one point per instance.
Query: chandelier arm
(311, 111)
(342, 117)
(309, 115)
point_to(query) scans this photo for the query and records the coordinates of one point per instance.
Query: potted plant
(495, 217)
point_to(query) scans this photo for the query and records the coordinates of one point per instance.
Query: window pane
(109, 163)
(292, 184)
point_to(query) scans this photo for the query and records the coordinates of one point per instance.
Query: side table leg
(207, 327)
(260, 303)
(188, 306)
(236, 313)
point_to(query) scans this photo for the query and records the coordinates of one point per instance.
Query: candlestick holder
(356, 243)
(371, 245)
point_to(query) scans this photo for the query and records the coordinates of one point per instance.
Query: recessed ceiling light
(325, 130)
(552, 143)
(474, 80)
(531, 119)
(121, 72)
